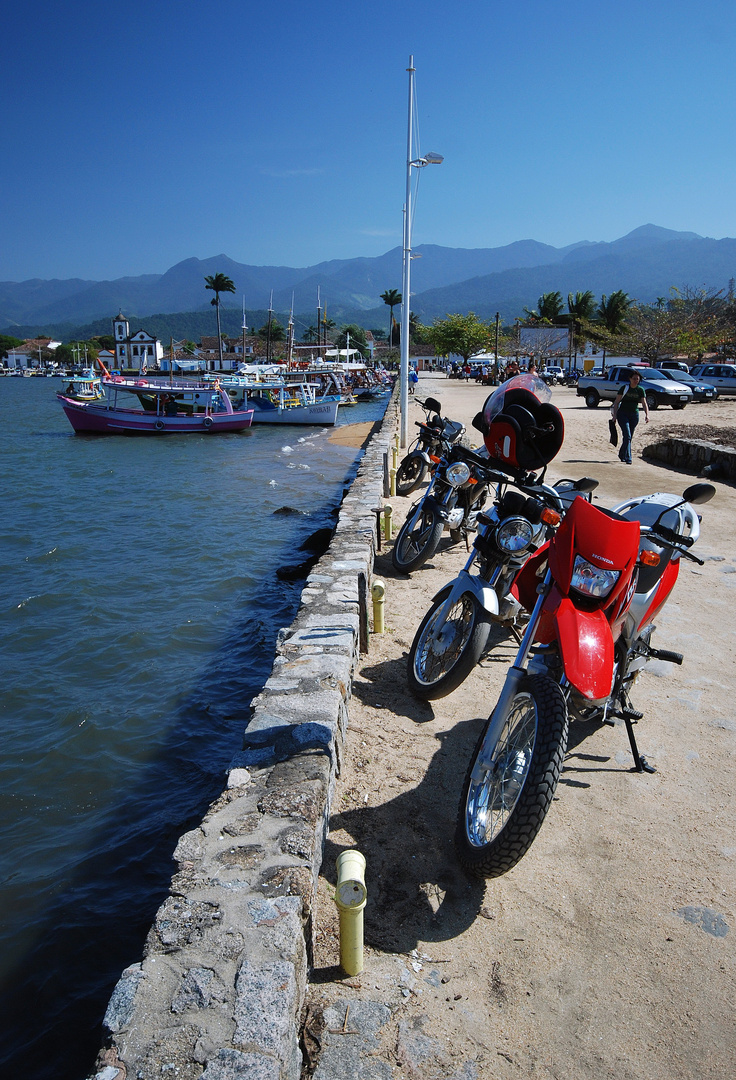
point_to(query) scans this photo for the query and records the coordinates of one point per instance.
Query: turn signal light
(649, 558)
(550, 517)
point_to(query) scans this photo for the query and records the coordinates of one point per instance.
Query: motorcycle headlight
(514, 535)
(457, 474)
(591, 580)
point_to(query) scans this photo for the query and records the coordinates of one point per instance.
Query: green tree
(581, 310)
(461, 334)
(277, 331)
(219, 283)
(7, 342)
(357, 338)
(611, 318)
(548, 310)
(392, 297)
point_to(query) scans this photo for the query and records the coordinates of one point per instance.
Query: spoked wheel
(440, 661)
(418, 539)
(503, 805)
(410, 474)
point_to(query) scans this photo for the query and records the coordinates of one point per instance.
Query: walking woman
(626, 412)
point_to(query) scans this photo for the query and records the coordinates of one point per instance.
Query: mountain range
(645, 263)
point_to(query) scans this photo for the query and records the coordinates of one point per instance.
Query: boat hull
(324, 413)
(96, 419)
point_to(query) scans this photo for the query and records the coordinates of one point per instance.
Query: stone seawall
(219, 991)
(696, 456)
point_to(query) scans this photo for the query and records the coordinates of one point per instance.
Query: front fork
(514, 677)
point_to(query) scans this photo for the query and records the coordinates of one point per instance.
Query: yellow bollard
(388, 522)
(392, 484)
(350, 897)
(395, 457)
(378, 592)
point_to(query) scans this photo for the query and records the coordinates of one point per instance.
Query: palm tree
(581, 310)
(612, 312)
(392, 297)
(219, 283)
(549, 308)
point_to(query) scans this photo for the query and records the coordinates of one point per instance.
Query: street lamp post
(411, 163)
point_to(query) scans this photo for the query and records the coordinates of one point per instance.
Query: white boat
(279, 402)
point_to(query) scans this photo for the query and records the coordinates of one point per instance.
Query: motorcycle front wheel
(410, 474)
(418, 539)
(502, 807)
(437, 667)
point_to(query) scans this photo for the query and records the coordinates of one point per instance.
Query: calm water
(138, 611)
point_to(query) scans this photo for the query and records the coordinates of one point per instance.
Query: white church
(136, 351)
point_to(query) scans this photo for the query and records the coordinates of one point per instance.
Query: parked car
(658, 388)
(672, 365)
(702, 391)
(722, 376)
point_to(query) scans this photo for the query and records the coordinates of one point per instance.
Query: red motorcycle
(594, 591)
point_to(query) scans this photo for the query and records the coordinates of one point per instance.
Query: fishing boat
(163, 407)
(276, 401)
(86, 386)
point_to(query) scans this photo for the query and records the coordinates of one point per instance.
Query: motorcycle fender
(481, 590)
(586, 649)
(423, 454)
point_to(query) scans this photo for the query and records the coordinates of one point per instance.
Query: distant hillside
(646, 264)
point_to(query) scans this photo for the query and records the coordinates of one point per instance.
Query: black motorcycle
(436, 435)
(454, 633)
(453, 500)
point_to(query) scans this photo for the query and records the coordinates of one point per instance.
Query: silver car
(722, 376)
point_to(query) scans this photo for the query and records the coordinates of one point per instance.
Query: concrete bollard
(378, 592)
(388, 522)
(350, 897)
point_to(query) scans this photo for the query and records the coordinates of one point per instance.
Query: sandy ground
(608, 952)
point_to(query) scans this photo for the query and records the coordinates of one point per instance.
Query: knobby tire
(502, 810)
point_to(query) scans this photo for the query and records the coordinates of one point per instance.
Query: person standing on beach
(626, 412)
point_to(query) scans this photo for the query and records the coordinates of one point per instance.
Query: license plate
(683, 397)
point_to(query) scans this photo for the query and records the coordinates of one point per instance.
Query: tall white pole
(406, 276)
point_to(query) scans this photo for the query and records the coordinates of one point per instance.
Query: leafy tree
(461, 334)
(277, 331)
(392, 297)
(7, 342)
(651, 332)
(703, 320)
(357, 338)
(219, 283)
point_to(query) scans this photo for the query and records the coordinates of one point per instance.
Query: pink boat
(163, 407)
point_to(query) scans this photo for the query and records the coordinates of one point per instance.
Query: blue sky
(140, 134)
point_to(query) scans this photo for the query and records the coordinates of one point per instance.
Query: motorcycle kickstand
(640, 763)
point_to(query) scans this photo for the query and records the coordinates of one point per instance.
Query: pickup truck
(658, 388)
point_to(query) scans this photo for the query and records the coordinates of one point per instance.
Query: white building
(136, 351)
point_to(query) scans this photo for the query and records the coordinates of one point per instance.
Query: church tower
(121, 333)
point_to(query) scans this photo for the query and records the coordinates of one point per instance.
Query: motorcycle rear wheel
(418, 539)
(410, 474)
(435, 671)
(502, 808)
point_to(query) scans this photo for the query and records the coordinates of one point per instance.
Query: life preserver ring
(207, 421)
(159, 425)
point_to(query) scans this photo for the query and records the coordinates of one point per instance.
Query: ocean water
(139, 607)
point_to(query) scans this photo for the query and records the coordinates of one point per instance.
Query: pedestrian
(626, 412)
(413, 380)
